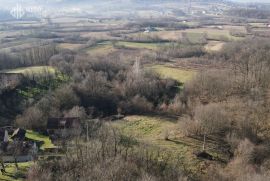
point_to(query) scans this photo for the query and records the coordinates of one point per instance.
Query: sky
(252, 1)
(11, 2)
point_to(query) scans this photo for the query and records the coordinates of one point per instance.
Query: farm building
(63, 127)
(19, 134)
(18, 148)
(149, 29)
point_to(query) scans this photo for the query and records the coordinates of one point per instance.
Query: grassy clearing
(194, 37)
(42, 86)
(146, 128)
(70, 46)
(162, 34)
(107, 47)
(189, 23)
(100, 35)
(39, 137)
(151, 130)
(151, 46)
(258, 25)
(12, 174)
(212, 33)
(195, 34)
(213, 46)
(36, 70)
(101, 49)
(178, 74)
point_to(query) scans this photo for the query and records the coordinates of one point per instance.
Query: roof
(62, 123)
(19, 133)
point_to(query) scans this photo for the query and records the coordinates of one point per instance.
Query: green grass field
(258, 25)
(213, 46)
(107, 47)
(12, 174)
(151, 46)
(178, 74)
(150, 130)
(39, 137)
(212, 33)
(196, 34)
(70, 46)
(103, 48)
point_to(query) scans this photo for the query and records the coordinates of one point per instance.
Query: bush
(208, 120)
(211, 86)
(137, 105)
(32, 118)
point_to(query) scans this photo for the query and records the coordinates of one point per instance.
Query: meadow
(179, 74)
(162, 133)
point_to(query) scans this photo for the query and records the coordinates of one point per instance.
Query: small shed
(63, 123)
(63, 127)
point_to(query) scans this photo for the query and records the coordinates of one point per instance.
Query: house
(149, 29)
(23, 151)
(63, 127)
(3, 133)
(4, 139)
(20, 149)
(219, 27)
(19, 134)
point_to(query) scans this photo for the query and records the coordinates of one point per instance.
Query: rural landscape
(127, 90)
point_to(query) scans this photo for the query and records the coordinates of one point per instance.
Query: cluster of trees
(144, 38)
(168, 23)
(175, 50)
(109, 156)
(233, 105)
(101, 87)
(250, 13)
(38, 55)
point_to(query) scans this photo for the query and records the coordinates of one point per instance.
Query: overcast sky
(252, 1)
(9, 2)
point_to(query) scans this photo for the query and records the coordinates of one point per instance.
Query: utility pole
(87, 132)
(204, 139)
